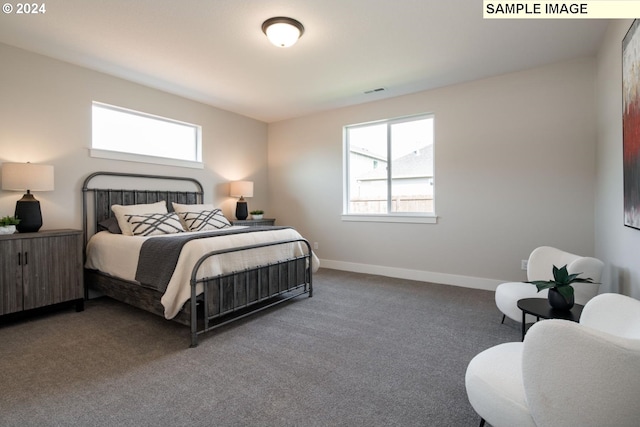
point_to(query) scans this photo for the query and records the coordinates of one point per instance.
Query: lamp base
(242, 212)
(29, 213)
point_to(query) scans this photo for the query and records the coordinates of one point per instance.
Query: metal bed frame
(225, 298)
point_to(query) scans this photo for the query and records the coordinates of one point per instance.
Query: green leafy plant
(257, 212)
(9, 220)
(562, 281)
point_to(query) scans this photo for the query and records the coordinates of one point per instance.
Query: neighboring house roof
(419, 163)
(366, 153)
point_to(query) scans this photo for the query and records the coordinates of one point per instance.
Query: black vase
(558, 301)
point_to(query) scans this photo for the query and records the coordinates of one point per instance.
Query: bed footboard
(245, 292)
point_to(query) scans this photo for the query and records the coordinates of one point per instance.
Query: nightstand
(40, 269)
(254, 222)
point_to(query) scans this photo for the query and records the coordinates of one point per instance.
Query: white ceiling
(214, 51)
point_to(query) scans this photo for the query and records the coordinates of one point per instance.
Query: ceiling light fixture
(282, 31)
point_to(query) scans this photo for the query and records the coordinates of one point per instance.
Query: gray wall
(616, 245)
(521, 160)
(515, 169)
(45, 111)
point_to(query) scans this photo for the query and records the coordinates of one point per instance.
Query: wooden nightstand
(40, 269)
(254, 222)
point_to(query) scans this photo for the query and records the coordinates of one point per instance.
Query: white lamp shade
(27, 176)
(283, 35)
(241, 189)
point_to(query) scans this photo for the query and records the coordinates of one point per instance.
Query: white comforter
(117, 255)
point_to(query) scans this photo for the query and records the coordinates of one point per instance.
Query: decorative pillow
(204, 220)
(192, 208)
(110, 225)
(155, 223)
(121, 210)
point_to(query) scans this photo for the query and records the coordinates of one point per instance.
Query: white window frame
(397, 217)
(105, 153)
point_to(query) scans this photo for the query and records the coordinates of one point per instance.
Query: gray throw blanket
(159, 255)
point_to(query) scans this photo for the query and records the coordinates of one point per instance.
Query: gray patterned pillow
(154, 223)
(204, 220)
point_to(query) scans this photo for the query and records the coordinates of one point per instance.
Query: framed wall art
(631, 124)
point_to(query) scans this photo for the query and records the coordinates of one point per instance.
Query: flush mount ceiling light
(282, 31)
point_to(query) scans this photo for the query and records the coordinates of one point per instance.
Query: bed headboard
(97, 201)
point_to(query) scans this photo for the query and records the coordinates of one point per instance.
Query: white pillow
(121, 210)
(204, 220)
(177, 207)
(155, 223)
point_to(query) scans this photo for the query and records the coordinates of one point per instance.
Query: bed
(204, 277)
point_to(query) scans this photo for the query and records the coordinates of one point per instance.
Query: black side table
(540, 308)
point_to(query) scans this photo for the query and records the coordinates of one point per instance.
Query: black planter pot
(558, 301)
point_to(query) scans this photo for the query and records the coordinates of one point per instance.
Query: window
(123, 134)
(389, 168)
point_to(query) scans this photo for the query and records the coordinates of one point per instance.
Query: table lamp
(27, 176)
(241, 189)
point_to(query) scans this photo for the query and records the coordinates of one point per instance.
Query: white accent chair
(540, 267)
(564, 374)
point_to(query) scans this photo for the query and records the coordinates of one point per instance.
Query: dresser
(40, 269)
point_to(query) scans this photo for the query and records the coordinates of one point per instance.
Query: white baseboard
(419, 275)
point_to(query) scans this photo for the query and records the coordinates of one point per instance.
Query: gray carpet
(364, 351)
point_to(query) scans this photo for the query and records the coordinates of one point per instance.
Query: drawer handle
(26, 258)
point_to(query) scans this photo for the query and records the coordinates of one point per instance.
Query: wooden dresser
(40, 269)
(254, 222)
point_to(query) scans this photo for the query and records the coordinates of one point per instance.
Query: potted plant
(560, 289)
(8, 224)
(257, 214)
